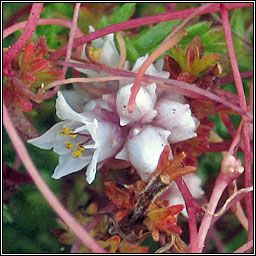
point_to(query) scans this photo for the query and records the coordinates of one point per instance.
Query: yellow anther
(77, 153)
(69, 145)
(95, 53)
(79, 147)
(72, 135)
(65, 131)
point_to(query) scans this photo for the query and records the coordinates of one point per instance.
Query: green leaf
(153, 36)
(214, 41)
(122, 13)
(132, 53)
(7, 218)
(197, 29)
(103, 22)
(66, 9)
(239, 27)
(237, 241)
(219, 127)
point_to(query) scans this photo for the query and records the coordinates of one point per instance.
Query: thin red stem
(230, 78)
(220, 185)
(239, 197)
(142, 22)
(180, 87)
(242, 101)
(44, 189)
(21, 25)
(191, 209)
(17, 15)
(28, 31)
(72, 33)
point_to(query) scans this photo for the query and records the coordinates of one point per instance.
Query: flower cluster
(101, 129)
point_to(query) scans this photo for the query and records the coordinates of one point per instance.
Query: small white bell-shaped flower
(80, 140)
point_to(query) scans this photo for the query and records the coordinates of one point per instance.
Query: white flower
(177, 117)
(174, 196)
(143, 149)
(144, 111)
(153, 70)
(102, 50)
(76, 98)
(81, 140)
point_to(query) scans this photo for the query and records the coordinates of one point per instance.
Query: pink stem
(191, 209)
(227, 122)
(189, 90)
(248, 180)
(42, 186)
(220, 185)
(64, 23)
(173, 38)
(228, 79)
(71, 36)
(17, 15)
(244, 248)
(72, 33)
(232, 56)
(230, 204)
(142, 22)
(242, 101)
(219, 146)
(158, 52)
(14, 50)
(21, 25)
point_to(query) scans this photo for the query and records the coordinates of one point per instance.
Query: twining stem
(49, 21)
(44, 189)
(220, 185)
(173, 38)
(142, 22)
(23, 39)
(82, 80)
(72, 33)
(158, 52)
(242, 101)
(171, 85)
(191, 209)
(122, 47)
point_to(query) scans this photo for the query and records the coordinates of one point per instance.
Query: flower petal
(146, 147)
(145, 102)
(109, 54)
(65, 112)
(91, 169)
(68, 164)
(50, 138)
(176, 117)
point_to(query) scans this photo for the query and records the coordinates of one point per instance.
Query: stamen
(72, 135)
(69, 132)
(95, 53)
(65, 131)
(77, 153)
(69, 145)
(79, 147)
